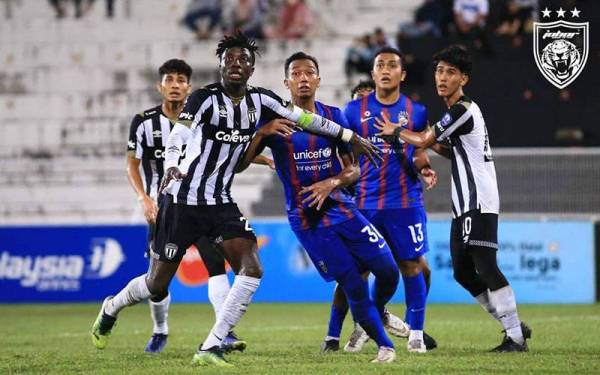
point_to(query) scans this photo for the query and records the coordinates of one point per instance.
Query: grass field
(285, 339)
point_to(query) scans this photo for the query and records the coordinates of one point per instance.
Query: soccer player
(339, 240)
(362, 88)
(475, 202)
(148, 135)
(391, 197)
(217, 124)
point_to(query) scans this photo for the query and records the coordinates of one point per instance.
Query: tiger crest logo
(561, 50)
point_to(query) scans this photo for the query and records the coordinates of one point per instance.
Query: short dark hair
(238, 39)
(175, 66)
(388, 49)
(367, 84)
(299, 56)
(455, 55)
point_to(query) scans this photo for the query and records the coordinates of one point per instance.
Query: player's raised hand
(171, 174)
(280, 126)
(318, 192)
(386, 127)
(363, 146)
(429, 177)
(149, 207)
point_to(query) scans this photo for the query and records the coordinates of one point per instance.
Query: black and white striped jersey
(218, 131)
(474, 184)
(148, 136)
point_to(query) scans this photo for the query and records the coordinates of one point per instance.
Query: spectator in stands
(428, 20)
(381, 40)
(295, 20)
(515, 18)
(470, 18)
(359, 57)
(247, 16)
(81, 7)
(199, 9)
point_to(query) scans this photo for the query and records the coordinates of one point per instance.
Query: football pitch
(285, 339)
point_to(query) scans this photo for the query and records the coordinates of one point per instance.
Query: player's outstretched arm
(423, 139)
(280, 126)
(314, 123)
(319, 191)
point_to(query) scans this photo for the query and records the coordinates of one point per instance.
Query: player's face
(303, 79)
(236, 66)
(362, 92)
(387, 71)
(174, 87)
(448, 79)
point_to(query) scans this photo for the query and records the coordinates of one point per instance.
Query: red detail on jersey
(403, 185)
(295, 182)
(349, 214)
(365, 164)
(329, 116)
(192, 271)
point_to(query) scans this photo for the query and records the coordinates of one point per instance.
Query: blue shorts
(404, 229)
(338, 248)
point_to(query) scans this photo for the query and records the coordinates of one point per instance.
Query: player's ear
(403, 75)
(319, 81)
(464, 80)
(189, 89)
(159, 87)
(372, 75)
(286, 83)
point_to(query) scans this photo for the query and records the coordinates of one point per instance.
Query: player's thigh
(327, 251)
(462, 264)
(406, 232)
(237, 239)
(211, 256)
(177, 229)
(480, 230)
(363, 239)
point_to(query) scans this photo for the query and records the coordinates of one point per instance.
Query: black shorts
(474, 228)
(178, 226)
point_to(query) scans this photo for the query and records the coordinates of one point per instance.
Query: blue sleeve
(351, 114)
(340, 118)
(420, 118)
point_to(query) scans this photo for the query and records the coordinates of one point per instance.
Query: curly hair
(238, 39)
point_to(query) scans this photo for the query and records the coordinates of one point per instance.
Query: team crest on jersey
(402, 117)
(222, 111)
(252, 115)
(171, 250)
(561, 47)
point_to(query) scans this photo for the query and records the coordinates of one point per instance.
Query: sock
(218, 289)
(234, 307)
(506, 307)
(484, 301)
(363, 309)
(336, 320)
(415, 293)
(159, 311)
(415, 335)
(134, 292)
(387, 276)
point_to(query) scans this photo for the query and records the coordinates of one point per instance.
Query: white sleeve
(178, 137)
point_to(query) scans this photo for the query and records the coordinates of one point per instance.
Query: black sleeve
(136, 134)
(457, 121)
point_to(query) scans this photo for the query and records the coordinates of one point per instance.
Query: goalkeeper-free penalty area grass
(285, 339)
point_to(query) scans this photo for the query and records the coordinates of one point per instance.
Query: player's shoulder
(353, 105)
(206, 91)
(261, 90)
(418, 107)
(147, 114)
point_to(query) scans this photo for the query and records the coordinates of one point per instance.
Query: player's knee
(462, 277)
(157, 288)
(251, 269)
(410, 268)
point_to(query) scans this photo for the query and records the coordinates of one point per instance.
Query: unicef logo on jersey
(322, 153)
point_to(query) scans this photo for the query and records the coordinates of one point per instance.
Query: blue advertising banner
(546, 262)
(59, 264)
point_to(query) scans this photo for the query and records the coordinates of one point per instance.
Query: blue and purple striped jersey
(395, 184)
(305, 158)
